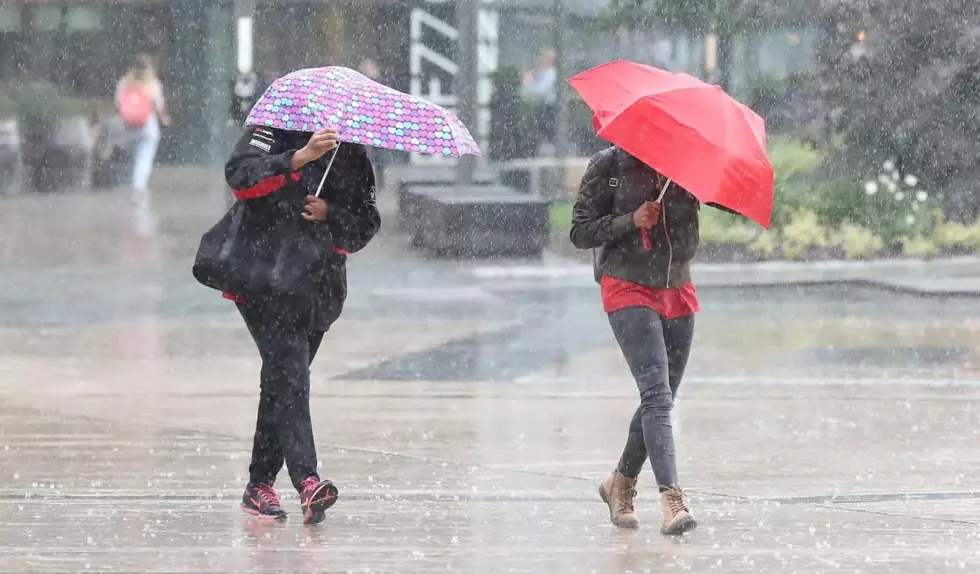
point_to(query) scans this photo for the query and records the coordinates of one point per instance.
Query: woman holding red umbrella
(643, 254)
(678, 143)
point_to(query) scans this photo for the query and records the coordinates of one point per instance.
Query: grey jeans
(656, 350)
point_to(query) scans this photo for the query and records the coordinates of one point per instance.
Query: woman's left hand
(315, 209)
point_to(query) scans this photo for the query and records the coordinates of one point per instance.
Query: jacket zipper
(663, 216)
(670, 246)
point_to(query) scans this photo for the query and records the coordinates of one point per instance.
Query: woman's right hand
(647, 215)
(320, 143)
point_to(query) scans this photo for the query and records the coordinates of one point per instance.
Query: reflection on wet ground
(67, 276)
(831, 331)
(466, 418)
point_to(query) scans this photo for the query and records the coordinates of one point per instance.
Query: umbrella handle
(645, 233)
(663, 191)
(319, 188)
(645, 237)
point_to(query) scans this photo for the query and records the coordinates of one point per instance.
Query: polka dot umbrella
(362, 111)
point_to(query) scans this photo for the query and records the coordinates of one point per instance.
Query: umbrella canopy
(692, 132)
(362, 111)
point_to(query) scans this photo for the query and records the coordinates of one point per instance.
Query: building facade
(84, 46)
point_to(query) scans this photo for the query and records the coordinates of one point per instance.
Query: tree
(903, 80)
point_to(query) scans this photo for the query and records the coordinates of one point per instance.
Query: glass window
(9, 18)
(46, 18)
(84, 18)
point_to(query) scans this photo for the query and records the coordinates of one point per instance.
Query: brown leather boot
(677, 517)
(618, 493)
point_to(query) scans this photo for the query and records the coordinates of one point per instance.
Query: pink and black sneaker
(315, 497)
(261, 500)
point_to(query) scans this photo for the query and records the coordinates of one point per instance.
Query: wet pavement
(466, 415)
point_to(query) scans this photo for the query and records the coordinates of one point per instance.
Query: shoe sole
(612, 516)
(321, 500)
(685, 525)
(257, 514)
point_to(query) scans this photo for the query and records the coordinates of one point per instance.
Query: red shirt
(619, 294)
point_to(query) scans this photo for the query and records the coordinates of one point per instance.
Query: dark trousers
(283, 428)
(656, 350)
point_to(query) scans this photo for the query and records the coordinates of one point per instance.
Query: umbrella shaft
(326, 171)
(663, 191)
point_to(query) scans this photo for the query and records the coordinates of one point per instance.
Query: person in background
(141, 110)
(541, 89)
(369, 68)
(277, 172)
(245, 89)
(645, 233)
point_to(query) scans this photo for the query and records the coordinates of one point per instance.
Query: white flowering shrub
(894, 206)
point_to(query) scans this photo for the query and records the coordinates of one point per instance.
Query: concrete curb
(950, 277)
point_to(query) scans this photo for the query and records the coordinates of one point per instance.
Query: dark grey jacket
(614, 186)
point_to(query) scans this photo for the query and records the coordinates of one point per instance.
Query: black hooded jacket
(259, 171)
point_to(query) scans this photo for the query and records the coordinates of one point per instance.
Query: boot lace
(675, 501)
(628, 490)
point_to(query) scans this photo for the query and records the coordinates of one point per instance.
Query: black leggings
(283, 428)
(656, 350)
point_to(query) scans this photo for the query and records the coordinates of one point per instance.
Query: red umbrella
(692, 132)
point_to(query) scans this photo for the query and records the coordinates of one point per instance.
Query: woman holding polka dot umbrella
(288, 165)
(362, 111)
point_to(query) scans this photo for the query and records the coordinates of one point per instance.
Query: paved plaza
(466, 410)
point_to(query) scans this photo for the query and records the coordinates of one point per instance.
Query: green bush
(860, 216)
(766, 244)
(956, 235)
(839, 200)
(858, 242)
(795, 165)
(721, 227)
(919, 246)
(804, 232)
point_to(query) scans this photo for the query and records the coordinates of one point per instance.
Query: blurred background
(859, 96)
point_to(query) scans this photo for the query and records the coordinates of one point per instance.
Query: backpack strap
(602, 165)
